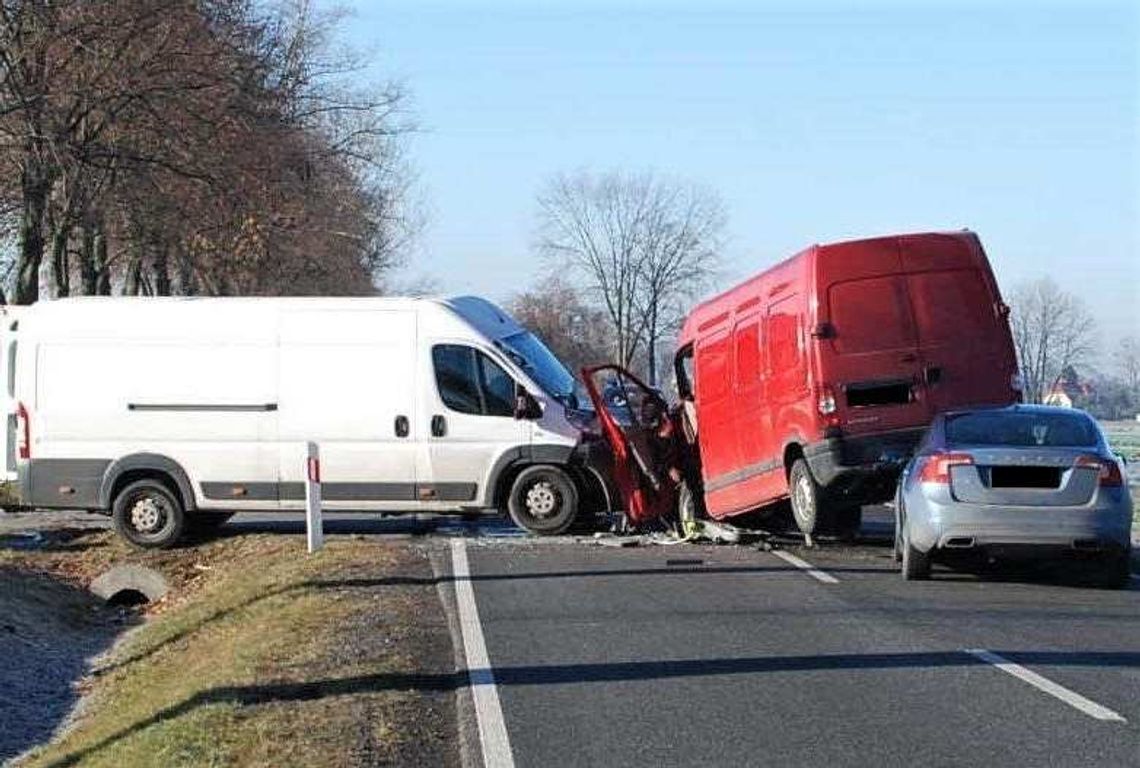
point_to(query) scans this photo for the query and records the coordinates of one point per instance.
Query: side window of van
(747, 355)
(783, 337)
(713, 361)
(498, 388)
(470, 382)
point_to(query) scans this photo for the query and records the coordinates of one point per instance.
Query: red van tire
(543, 500)
(806, 494)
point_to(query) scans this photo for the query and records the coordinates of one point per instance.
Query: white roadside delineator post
(314, 528)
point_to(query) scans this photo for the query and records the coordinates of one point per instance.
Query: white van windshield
(529, 353)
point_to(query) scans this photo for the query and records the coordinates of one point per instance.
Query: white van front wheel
(148, 515)
(543, 500)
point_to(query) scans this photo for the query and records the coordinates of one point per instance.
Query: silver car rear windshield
(1055, 430)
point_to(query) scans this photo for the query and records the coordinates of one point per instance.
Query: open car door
(635, 421)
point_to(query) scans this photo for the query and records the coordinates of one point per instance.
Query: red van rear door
(963, 337)
(872, 362)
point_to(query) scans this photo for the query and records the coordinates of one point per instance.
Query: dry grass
(267, 657)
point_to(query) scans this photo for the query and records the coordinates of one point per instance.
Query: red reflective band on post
(24, 449)
(314, 467)
(936, 468)
(1108, 472)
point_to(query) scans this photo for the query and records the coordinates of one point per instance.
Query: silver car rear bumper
(952, 525)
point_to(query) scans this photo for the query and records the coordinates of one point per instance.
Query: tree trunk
(34, 186)
(186, 283)
(60, 269)
(652, 332)
(103, 283)
(88, 269)
(161, 272)
(132, 283)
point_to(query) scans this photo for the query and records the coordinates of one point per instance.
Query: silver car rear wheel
(915, 564)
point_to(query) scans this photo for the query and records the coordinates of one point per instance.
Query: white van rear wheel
(543, 500)
(148, 515)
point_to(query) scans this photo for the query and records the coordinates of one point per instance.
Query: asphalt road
(706, 655)
(731, 655)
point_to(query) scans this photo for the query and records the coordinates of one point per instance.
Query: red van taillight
(936, 468)
(1108, 471)
(24, 430)
(826, 401)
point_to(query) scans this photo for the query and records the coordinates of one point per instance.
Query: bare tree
(1053, 331)
(1128, 361)
(682, 240)
(641, 244)
(195, 146)
(576, 332)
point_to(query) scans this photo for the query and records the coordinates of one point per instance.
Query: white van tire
(543, 500)
(148, 515)
(805, 493)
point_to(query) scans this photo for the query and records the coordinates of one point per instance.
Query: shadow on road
(562, 674)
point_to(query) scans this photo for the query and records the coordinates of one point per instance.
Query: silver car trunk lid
(1024, 477)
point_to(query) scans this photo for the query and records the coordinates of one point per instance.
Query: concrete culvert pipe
(130, 585)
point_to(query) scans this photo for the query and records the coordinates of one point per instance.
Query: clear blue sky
(814, 122)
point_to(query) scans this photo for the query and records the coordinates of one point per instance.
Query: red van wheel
(805, 493)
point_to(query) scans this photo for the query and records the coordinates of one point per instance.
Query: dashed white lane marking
(804, 565)
(1072, 698)
(488, 711)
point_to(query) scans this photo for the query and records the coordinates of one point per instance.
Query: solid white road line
(804, 565)
(1073, 699)
(488, 710)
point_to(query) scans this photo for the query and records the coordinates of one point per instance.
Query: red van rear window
(870, 315)
(950, 305)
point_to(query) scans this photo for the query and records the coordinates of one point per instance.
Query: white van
(174, 412)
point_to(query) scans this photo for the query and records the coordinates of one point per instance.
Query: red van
(815, 379)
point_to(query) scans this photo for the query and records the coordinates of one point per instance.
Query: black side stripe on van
(720, 482)
(202, 407)
(347, 491)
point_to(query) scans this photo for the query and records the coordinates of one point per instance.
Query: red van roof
(711, 310)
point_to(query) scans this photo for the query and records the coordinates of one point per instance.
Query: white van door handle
(438, 426)
(402, 426)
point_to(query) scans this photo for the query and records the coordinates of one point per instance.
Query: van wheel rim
(801, 497)
(541, 499)
(148, 515)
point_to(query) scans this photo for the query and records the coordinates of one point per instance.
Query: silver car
(1020, 480)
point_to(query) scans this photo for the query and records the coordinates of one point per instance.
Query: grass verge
(264, 656)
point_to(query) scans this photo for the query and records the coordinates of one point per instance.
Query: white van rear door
(348, 383)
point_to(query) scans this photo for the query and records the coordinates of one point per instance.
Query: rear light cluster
(936, 468)
(1108, 471)
(24, 431)
(825, 402)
